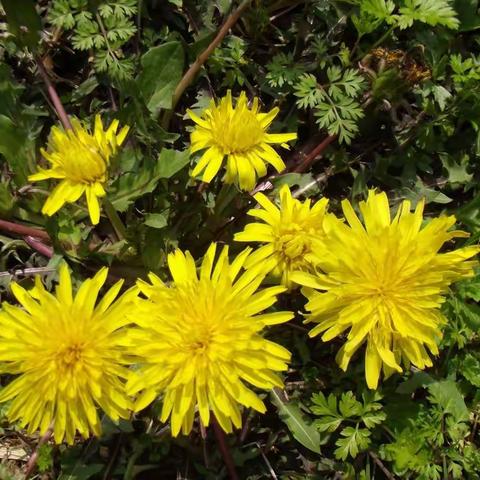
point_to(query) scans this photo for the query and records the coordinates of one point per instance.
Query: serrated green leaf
(323, 405)
(432, 12)
(349, 406)
(326, 408)
(328, 423)
(355, 440)
(379, 9)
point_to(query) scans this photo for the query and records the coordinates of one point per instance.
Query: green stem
(115, 220)
(104, 34)
(381, 39)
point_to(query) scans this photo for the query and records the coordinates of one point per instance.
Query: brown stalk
(380, 465)
(192, 72)
(314, 154)
(224, 449)
(32, 461)
(40, 247)
(57, 103)
(22, 230)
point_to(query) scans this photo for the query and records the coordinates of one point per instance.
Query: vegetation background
(382, 93)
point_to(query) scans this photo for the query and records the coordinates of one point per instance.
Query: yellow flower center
(293, 243)
(237, 133)
(84, 164)
(69, 357)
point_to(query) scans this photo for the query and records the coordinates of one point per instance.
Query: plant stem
(314, 154)
(26, 272)
(381, 465)
(104, 34)
(22, 230)
(32, 461)
(225, 451)
(37, 245)
(191, 73)
(381, 39)
(115, 219)
(57, 103)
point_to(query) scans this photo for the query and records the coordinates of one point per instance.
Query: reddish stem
(203, 57)
(57, 103)
(314, 154)
(225, 451)
(40, 247)
(32, 461)
(19, 229)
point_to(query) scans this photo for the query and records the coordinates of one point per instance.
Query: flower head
(80, 160)
(240, 134)
(199, 340)
(68, 356)
(384, 281)
(290, 234)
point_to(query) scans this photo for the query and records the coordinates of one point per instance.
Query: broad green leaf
(15, 147)
(171, 161)
(162, 69)
(156, 220)
(470, 288)
(468, 15)
(471, 369)
(138, 181)
(23, 22)
(417, 380)
(457, 170)
(10, 90)
(80, 472)
(131, 186)
(445, 393)
(6, 199)
(441, 95)
(11, 137)
(304, 432)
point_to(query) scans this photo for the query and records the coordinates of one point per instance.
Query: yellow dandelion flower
(68, 356)
(384, 281)
(199, 340)
(240, 134)
(80, 160)
(289, 234)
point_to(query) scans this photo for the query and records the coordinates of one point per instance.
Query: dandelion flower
(384, 281)
(68, 356)
(80, 160)
(240, 135)
(289, 234)
(199, 341)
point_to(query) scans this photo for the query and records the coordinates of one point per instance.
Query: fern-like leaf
(431, 12)
(308, 92)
